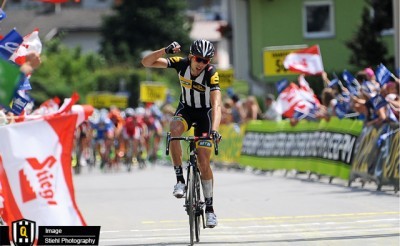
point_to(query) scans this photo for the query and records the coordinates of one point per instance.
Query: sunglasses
(203, 60)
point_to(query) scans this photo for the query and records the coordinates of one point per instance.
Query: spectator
(226, 111)
(271, 112)
(391, 93)
(238, 113)
(252, 109)
(371, 77)
(328, 102)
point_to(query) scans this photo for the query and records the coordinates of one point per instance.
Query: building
(77, 23)
(259, 25)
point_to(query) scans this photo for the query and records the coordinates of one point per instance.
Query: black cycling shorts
(198, 116)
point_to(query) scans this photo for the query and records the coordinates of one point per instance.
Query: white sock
(207, 188)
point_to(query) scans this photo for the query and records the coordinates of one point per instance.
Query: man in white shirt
(271, 112)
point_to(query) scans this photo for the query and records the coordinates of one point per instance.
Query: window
(318, 19)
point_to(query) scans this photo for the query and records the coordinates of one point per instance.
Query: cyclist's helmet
(203, 48)
(130, 112)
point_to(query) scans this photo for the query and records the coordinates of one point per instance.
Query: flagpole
(3, 4)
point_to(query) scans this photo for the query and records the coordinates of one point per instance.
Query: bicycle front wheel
(191, 203)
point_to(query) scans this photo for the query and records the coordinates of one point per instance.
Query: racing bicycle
(193, 199)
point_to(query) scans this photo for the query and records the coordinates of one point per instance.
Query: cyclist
(200, 103)
(118, 121)
(103, 137)
(152, 118)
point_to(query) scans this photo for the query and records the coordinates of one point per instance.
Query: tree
(143, 25)
(63, 72)
(366, 45)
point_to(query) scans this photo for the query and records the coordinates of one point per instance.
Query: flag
(83, 112)
(35, 171)
(333, 82)
(25, 84)
(10, 78)
(31, 43)
(307, 61)
(290, 100)
(382, 74)
(351, 82)
(67, 104)
(281, 85)
(378, 102)
(19, 103)
(340, 109)
(2, 14)
(306, 92)
(47, 107)
(9, 44)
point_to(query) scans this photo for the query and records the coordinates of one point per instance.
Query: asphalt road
(138, 208)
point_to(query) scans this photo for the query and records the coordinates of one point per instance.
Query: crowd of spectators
(363, 98)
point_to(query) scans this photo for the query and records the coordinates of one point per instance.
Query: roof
(25, 21)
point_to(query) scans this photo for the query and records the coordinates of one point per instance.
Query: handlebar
(189, 139)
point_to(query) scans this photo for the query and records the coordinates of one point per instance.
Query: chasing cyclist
(200, 103)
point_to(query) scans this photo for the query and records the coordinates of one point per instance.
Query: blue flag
(281, 85)
(340, 110)
(349, 79)
(19, 103)
(382, 74)
(10, 43)
(333, 82)
(378, 102)
(2, 14)
(25, 84)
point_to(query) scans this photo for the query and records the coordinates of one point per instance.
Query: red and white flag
(31, 43)
(290, 100)
(306, 92)
(308, 61)
(35, 171)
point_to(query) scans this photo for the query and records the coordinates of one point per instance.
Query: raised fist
(173, 48)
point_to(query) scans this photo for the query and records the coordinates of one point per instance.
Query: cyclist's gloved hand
(173, 48)
(216, 136)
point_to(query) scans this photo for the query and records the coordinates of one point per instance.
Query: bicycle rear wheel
(191, 203)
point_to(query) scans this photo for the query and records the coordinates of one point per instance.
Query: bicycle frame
(193, 203)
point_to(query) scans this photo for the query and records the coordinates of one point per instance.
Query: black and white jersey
(195, 90)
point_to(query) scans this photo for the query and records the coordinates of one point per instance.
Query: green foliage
(366, 45)
(137, 26)
(63, 71)
(143, 25)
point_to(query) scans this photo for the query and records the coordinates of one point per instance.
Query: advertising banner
(326, 148)
(273, 58)
(152, 92)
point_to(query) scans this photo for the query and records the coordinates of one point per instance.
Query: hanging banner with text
(321, 147)
(152, 92)
(273, 58)
(106, 100)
